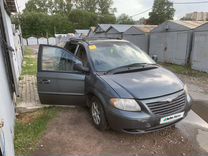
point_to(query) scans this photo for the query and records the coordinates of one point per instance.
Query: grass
(185, 70)
(30, 128)
(30, 62)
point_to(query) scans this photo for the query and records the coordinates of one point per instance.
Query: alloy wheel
(96, 113)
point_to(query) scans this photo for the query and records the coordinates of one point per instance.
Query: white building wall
(10, 40)
(18, 50)
(7, 113)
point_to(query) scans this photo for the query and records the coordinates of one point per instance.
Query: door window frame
(40, 54)
(77, 51)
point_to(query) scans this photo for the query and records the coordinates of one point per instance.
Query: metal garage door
(139, 40)
(157, 45)
(177, 46)
(170, 47)
(200, 51)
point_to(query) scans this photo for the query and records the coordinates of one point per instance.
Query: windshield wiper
(140, 64)
(129, 67)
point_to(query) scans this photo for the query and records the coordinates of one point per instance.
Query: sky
(132, 7)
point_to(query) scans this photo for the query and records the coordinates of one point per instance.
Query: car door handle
(45, 81)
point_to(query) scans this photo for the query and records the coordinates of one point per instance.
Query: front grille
(164, 108)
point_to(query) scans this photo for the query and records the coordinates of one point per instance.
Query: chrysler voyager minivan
(125, 89)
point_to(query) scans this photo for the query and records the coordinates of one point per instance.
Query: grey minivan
(124, 88)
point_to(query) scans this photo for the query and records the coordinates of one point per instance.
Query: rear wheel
(98, 114)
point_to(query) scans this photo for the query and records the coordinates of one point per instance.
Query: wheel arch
(98, 95)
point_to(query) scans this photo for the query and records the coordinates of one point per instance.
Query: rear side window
(57, 59)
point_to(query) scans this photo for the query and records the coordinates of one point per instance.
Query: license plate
(171, 118)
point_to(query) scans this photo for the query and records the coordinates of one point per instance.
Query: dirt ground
(200, 82)
(72, 133)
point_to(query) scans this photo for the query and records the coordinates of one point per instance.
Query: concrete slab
(197, 93)
(195, 129)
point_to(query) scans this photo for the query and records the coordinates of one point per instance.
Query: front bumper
(139, 122)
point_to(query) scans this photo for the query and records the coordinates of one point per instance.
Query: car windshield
(107, 56)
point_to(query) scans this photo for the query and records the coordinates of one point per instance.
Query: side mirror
(155, 58)
(80, 67)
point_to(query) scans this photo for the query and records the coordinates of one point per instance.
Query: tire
(98, 114)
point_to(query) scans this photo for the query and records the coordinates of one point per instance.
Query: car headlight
(126, 104)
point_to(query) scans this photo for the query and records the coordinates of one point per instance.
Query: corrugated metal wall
(171, 47)
(199, 55)
(114, 35)
(101, 35)
(139, 40)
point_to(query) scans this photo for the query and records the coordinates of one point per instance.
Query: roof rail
(97, 37)
(85, 39)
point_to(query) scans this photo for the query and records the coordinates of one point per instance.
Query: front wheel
(98, 115)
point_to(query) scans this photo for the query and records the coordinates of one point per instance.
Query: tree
(49, 6)
(43, 18)
(162, 11)
(83, 19)
(107, 18)
(142, 21)
(36, 6)
(125, 19)
(87, 5)
(104, 7)
(95, 6)
(43, 25)
(60, 6)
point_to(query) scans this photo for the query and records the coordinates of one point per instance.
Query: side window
(57, 59)
(82, 55)
(71, 47)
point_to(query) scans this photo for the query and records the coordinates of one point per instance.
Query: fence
(51, 40)
(36, 41)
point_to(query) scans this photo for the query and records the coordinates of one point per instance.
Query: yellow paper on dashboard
(92, 47)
